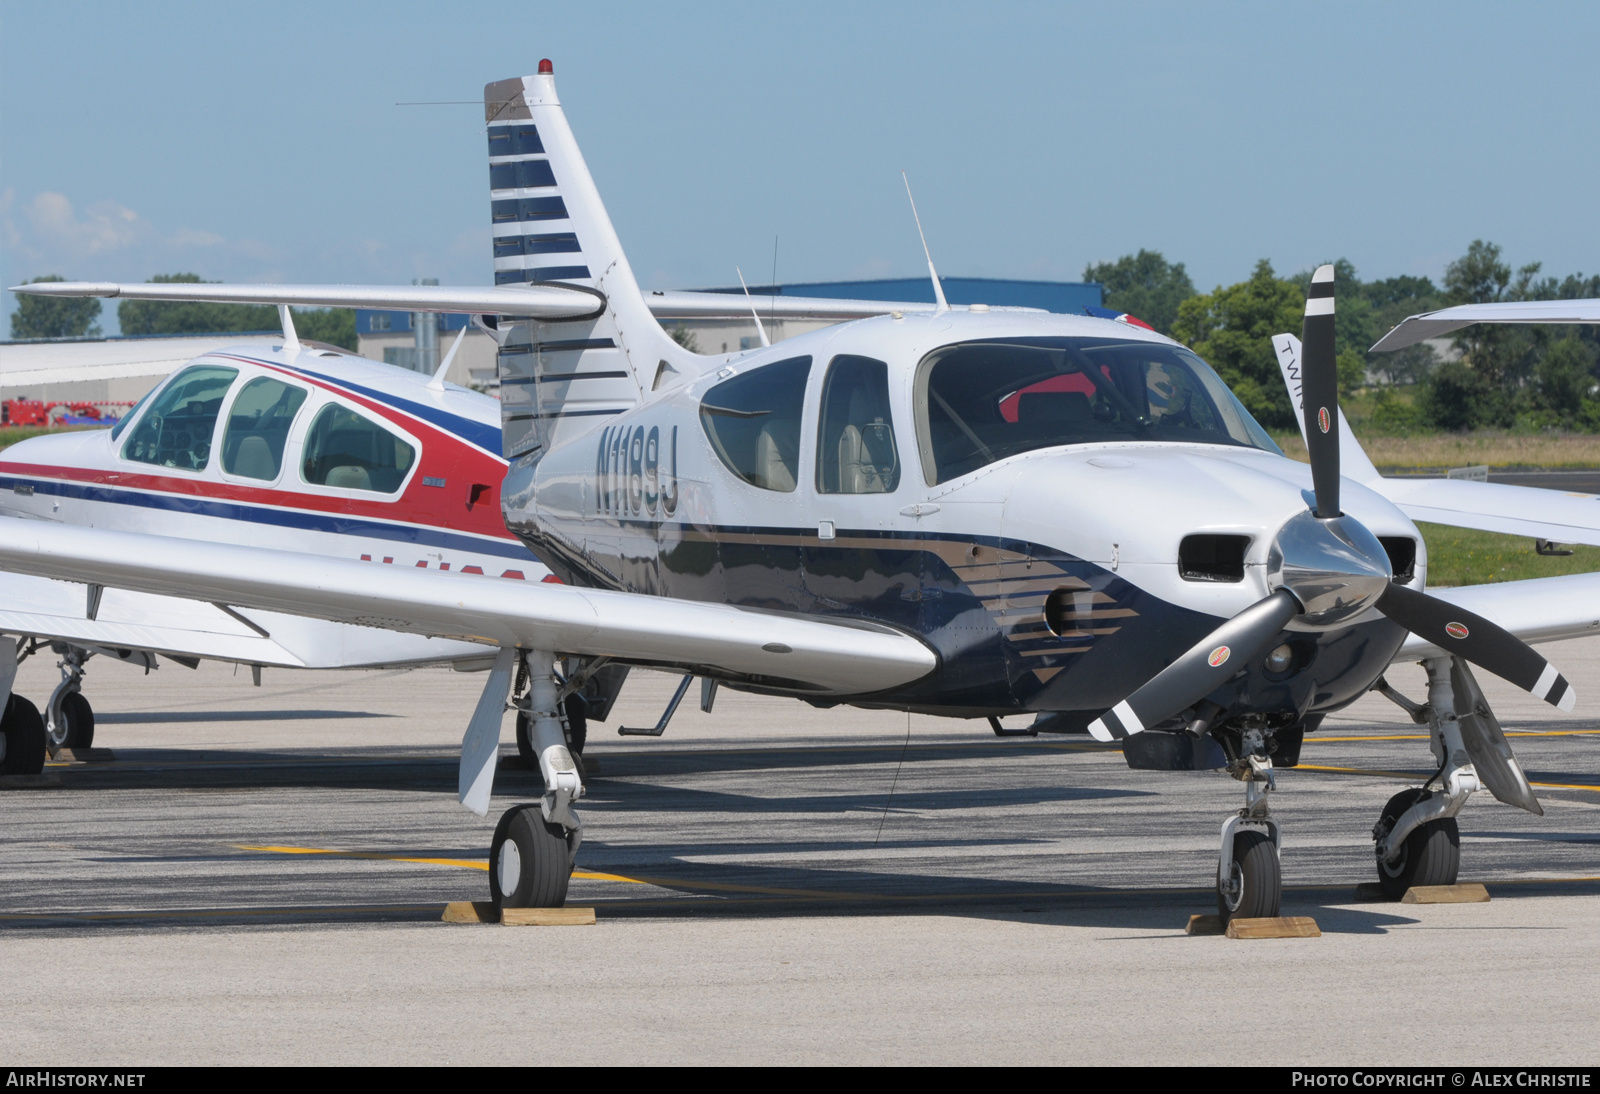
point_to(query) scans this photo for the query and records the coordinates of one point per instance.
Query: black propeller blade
(1319, 392)
(1473, 638)
(1198, 672)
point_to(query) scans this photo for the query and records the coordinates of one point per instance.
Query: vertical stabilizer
(558, 380)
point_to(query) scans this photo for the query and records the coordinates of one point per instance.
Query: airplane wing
(543, 301)
(1434, 324)
(802, 654)
(123, 620)
(548, 301)
(1486, 506)
(1541, 609)
(717, 305)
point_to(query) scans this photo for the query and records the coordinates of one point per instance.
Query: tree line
(1524, 377)
(77, 317)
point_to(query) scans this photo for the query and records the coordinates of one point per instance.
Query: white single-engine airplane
(958, 511)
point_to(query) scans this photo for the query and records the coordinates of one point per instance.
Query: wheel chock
(547, 917)
(470, 911)
(87, 755)
(45, 781)
(1294, 926)
(1204, 924)
(1470, 893)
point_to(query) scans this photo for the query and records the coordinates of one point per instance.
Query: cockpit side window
(177, 429)
(979, 402)
(258, 427)
(856, 453)
(350, 451)
(753, 423)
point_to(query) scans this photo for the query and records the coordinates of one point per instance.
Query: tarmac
(258, 876)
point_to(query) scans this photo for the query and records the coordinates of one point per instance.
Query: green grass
(1461, 556)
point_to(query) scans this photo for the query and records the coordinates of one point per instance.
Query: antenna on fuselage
(437, 383)
(291, 340)
(762, 331)
(940, 303)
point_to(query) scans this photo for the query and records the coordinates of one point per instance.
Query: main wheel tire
(1430, 855)
(1254, 889)
(79, 716)
(530, 861)
(24, 736)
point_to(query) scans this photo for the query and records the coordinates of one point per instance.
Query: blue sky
(256, 142)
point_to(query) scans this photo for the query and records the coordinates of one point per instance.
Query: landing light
(1280, 659)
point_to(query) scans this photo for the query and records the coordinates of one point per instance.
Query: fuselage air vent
(1402, 551)
(1212, 557)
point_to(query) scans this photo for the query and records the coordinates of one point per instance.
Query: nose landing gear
(1249, 874)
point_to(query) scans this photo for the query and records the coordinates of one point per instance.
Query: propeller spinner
(1326, 569)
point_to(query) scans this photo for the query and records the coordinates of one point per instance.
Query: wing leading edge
(785, 652)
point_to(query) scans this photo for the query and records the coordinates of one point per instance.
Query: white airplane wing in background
(808, 655)
(59, 611)
(1435, 324)
(546, 301)
(1486, 506)
(542, 301)
(717, 305)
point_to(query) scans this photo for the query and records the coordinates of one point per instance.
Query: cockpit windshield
(978, 402)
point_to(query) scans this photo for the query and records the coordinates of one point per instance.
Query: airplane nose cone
(1336, 568)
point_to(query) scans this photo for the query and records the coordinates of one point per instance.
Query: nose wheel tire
(1253, 888)
(1430, 855)
(22, 738)
(530, 861)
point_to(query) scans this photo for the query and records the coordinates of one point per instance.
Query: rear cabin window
(350, 451)
(753, 422)
(177, 429)
(856, 452)
(258, 428)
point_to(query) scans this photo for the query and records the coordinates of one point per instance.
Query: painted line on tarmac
(1408, 775)
(1424, 736)
(430, 909)
(465, 863)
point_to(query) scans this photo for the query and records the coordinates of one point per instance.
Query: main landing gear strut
(530, 859)
(68, 717)
(1416, 840)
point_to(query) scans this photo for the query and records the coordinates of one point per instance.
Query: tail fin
(560, 379)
